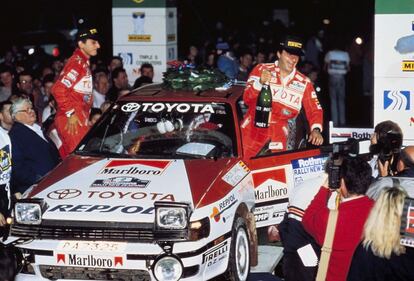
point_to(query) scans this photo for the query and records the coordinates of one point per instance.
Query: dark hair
(116, 58)
(24, 73)
(5, 68)
(48, 78)
(116, 72)
(3, 103)
(146, 65)
(357, 174)
(385, 127)
(94, 111)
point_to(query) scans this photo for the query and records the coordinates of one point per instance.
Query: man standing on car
(73, 91)
(290, 91)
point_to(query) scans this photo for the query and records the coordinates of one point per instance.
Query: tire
(239, 260)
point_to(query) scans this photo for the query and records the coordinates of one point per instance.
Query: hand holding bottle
(265, 76)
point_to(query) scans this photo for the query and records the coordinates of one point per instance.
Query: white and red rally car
(157, 190)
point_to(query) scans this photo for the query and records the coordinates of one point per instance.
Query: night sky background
(196, 18)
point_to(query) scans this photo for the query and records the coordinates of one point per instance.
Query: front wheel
(239, 260)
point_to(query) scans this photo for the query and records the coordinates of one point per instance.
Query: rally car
(157, 190)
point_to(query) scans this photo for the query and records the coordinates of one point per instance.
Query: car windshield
(163, 130)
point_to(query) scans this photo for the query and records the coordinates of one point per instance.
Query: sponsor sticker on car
(89, 260)
(121, 182)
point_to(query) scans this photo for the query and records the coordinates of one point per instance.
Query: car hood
(123, 190)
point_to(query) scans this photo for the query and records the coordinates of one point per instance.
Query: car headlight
(171, 216)
(28, 213)
(168, 268)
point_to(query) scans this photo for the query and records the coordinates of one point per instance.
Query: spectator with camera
(386, 144)
(352, 209)
(380, 256)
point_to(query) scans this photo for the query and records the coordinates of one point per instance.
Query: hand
(383, 168)
(72, 125)
(2, 220)
(18, 195)
(265, 76)
(315, 137)
(273, 233)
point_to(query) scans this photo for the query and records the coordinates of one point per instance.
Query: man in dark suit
(34, 155)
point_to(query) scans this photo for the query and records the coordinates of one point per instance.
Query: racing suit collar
(287, 79)
(82, 55)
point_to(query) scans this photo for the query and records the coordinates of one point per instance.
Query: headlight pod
(168, 268)
(28, 213)
(172, 216)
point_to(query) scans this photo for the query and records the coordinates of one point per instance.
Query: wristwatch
(69, 113)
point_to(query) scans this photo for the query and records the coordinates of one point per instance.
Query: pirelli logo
(294, 44)
(139, 38)
(407, 65)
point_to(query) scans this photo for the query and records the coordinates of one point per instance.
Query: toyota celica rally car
(157, 190)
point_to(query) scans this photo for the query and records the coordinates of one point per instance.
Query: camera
(387, 145)
(338, 151)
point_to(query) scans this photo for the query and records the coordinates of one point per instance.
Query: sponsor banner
(94, 209)
(394, 101)
(215, 254)
(307, 168)
(145, 35)
(135, 167)
(394, 7)
(155, 107)
(84, 260)
(342, 134)
(271, 214)
(394, 46)
(129, 182)
(223, 206)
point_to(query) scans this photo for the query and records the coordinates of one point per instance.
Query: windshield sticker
(168, 107)
(236, 174)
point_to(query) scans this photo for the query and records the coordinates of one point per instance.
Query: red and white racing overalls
(73, 94)
(288, 96)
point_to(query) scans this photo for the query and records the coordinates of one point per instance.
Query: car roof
(156, 92)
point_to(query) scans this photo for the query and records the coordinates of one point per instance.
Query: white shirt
(37, 129)
(337, 61)
(98, 99)
(5, 161)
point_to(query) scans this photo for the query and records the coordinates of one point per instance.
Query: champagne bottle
(263, 107)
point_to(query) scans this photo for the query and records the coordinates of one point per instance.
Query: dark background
(196, 18)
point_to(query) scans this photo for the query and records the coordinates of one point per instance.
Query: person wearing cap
(291, 90)
(73, 91)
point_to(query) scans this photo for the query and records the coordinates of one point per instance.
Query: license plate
(91, 246)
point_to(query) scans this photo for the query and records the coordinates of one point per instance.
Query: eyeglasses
(28, 110)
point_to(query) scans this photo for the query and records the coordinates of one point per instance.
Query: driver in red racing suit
(73, 92)
(290, 90)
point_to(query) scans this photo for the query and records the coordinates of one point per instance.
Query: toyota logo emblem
(64, 194)
(130, 107)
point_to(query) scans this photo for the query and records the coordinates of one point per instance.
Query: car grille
(135, 233)
(87, 273)
(64, 232)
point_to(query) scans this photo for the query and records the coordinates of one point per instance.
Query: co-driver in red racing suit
(73, 94)
(288, 96)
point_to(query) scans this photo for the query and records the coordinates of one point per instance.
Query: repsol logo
(226, 202)
(261, 217)
(271, 193)
(130, 171)
(66, 208)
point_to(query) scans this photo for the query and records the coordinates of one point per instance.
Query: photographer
(353, 208)
(380, 256)
(385, 146)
